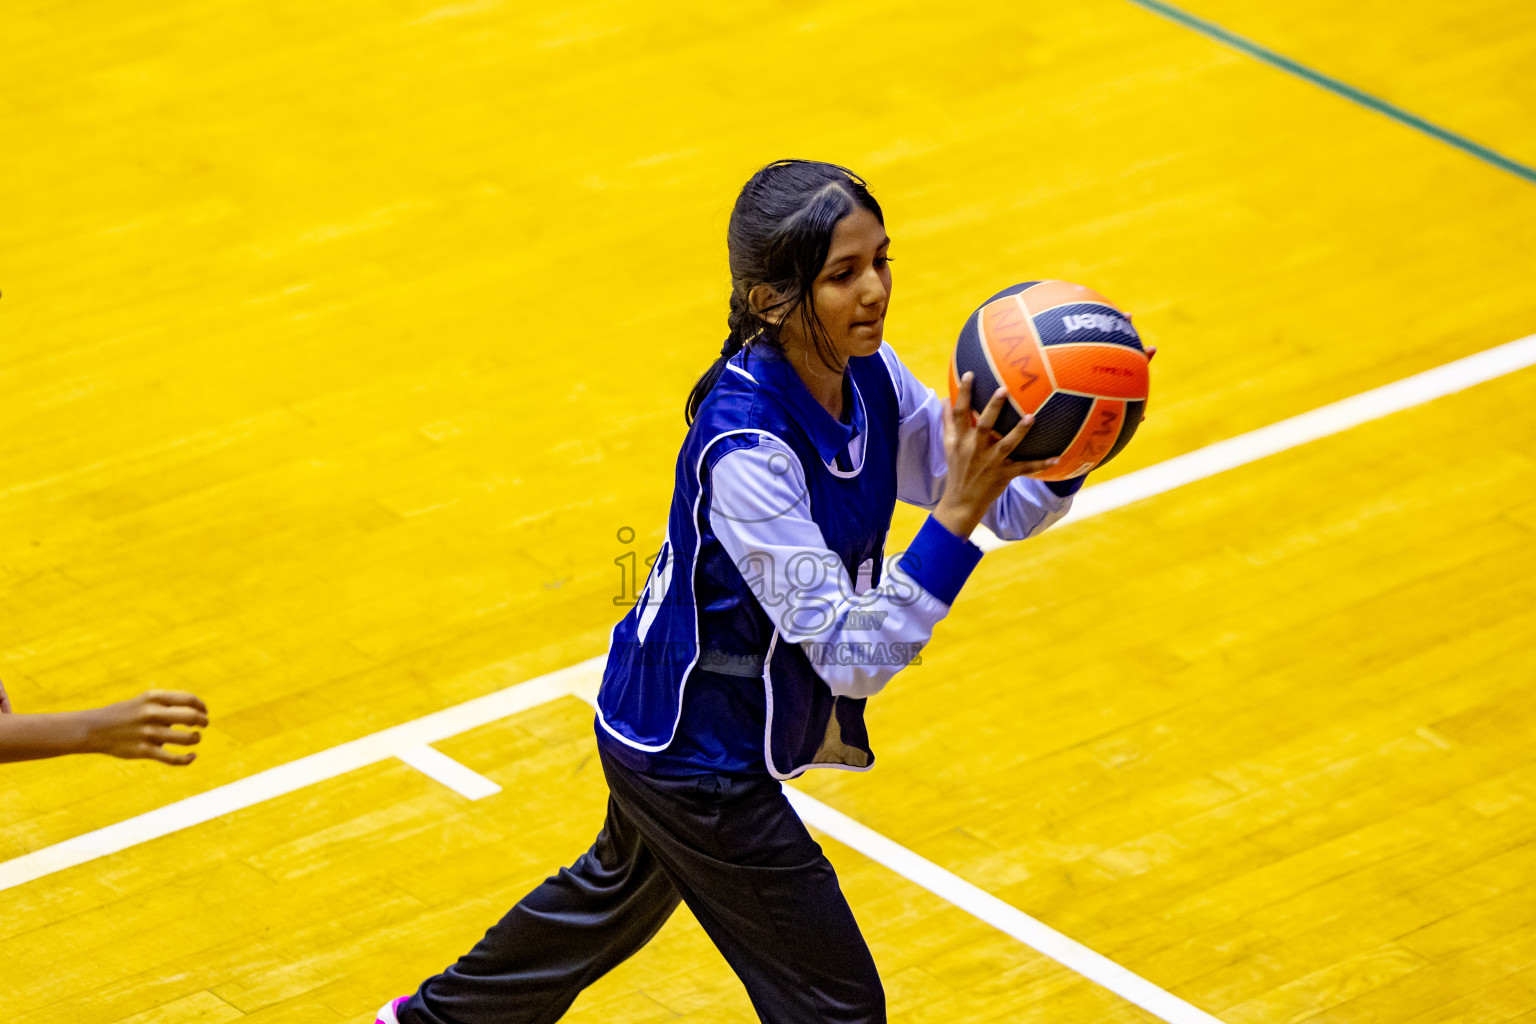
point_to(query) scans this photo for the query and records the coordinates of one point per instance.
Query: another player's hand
(143, 725)
(979, 466)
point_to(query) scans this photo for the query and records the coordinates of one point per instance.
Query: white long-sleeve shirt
(856, 636)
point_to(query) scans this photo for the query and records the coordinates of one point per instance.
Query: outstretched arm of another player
(136, 728)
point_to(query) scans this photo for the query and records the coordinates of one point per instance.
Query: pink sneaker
(387, 1011)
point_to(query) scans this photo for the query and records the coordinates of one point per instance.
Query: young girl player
(765, 624)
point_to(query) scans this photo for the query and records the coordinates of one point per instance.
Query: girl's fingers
(994, 407)
(177, 716)
(160, 737)
(176, 699)
(1011, 439)
(1151, 352)
(1025, 468)
(960, 410)
(166, 757)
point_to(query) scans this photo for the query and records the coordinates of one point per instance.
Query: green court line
(1365, 99)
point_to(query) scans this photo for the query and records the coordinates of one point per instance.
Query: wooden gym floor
(340, 342)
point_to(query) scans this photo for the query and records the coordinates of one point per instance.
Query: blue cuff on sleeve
(1066, 488)
(939, 561)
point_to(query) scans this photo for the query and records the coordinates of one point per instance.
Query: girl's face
(853, 290)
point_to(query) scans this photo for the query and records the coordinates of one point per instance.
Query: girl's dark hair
(780, 232)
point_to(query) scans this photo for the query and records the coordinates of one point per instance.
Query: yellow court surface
(343, 352)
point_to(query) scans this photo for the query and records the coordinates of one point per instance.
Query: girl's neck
(824, 383)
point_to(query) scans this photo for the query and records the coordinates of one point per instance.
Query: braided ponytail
(739, 320)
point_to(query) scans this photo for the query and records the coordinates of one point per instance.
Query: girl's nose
(873, 293)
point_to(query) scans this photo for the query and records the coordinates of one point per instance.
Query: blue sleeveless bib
(698, 619)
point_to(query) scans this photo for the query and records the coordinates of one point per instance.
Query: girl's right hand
(143, 725)
(979, 466)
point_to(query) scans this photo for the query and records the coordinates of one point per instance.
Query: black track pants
(734, 850)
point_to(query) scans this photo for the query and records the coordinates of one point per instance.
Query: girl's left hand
(979, 467)
(5, 702)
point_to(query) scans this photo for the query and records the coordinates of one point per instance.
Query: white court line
(1298, 430)
(579, 679)
(435, 764)
(983, 906)
(295, 775)
(1005, 917)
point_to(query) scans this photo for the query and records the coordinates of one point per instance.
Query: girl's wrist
(957, 519)
(85, 731)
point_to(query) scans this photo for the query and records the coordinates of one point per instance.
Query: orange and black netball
(1066, 354)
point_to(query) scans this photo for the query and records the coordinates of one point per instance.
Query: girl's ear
(765, 301)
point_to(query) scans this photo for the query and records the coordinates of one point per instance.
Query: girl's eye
(842, 275)
(881, 261)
